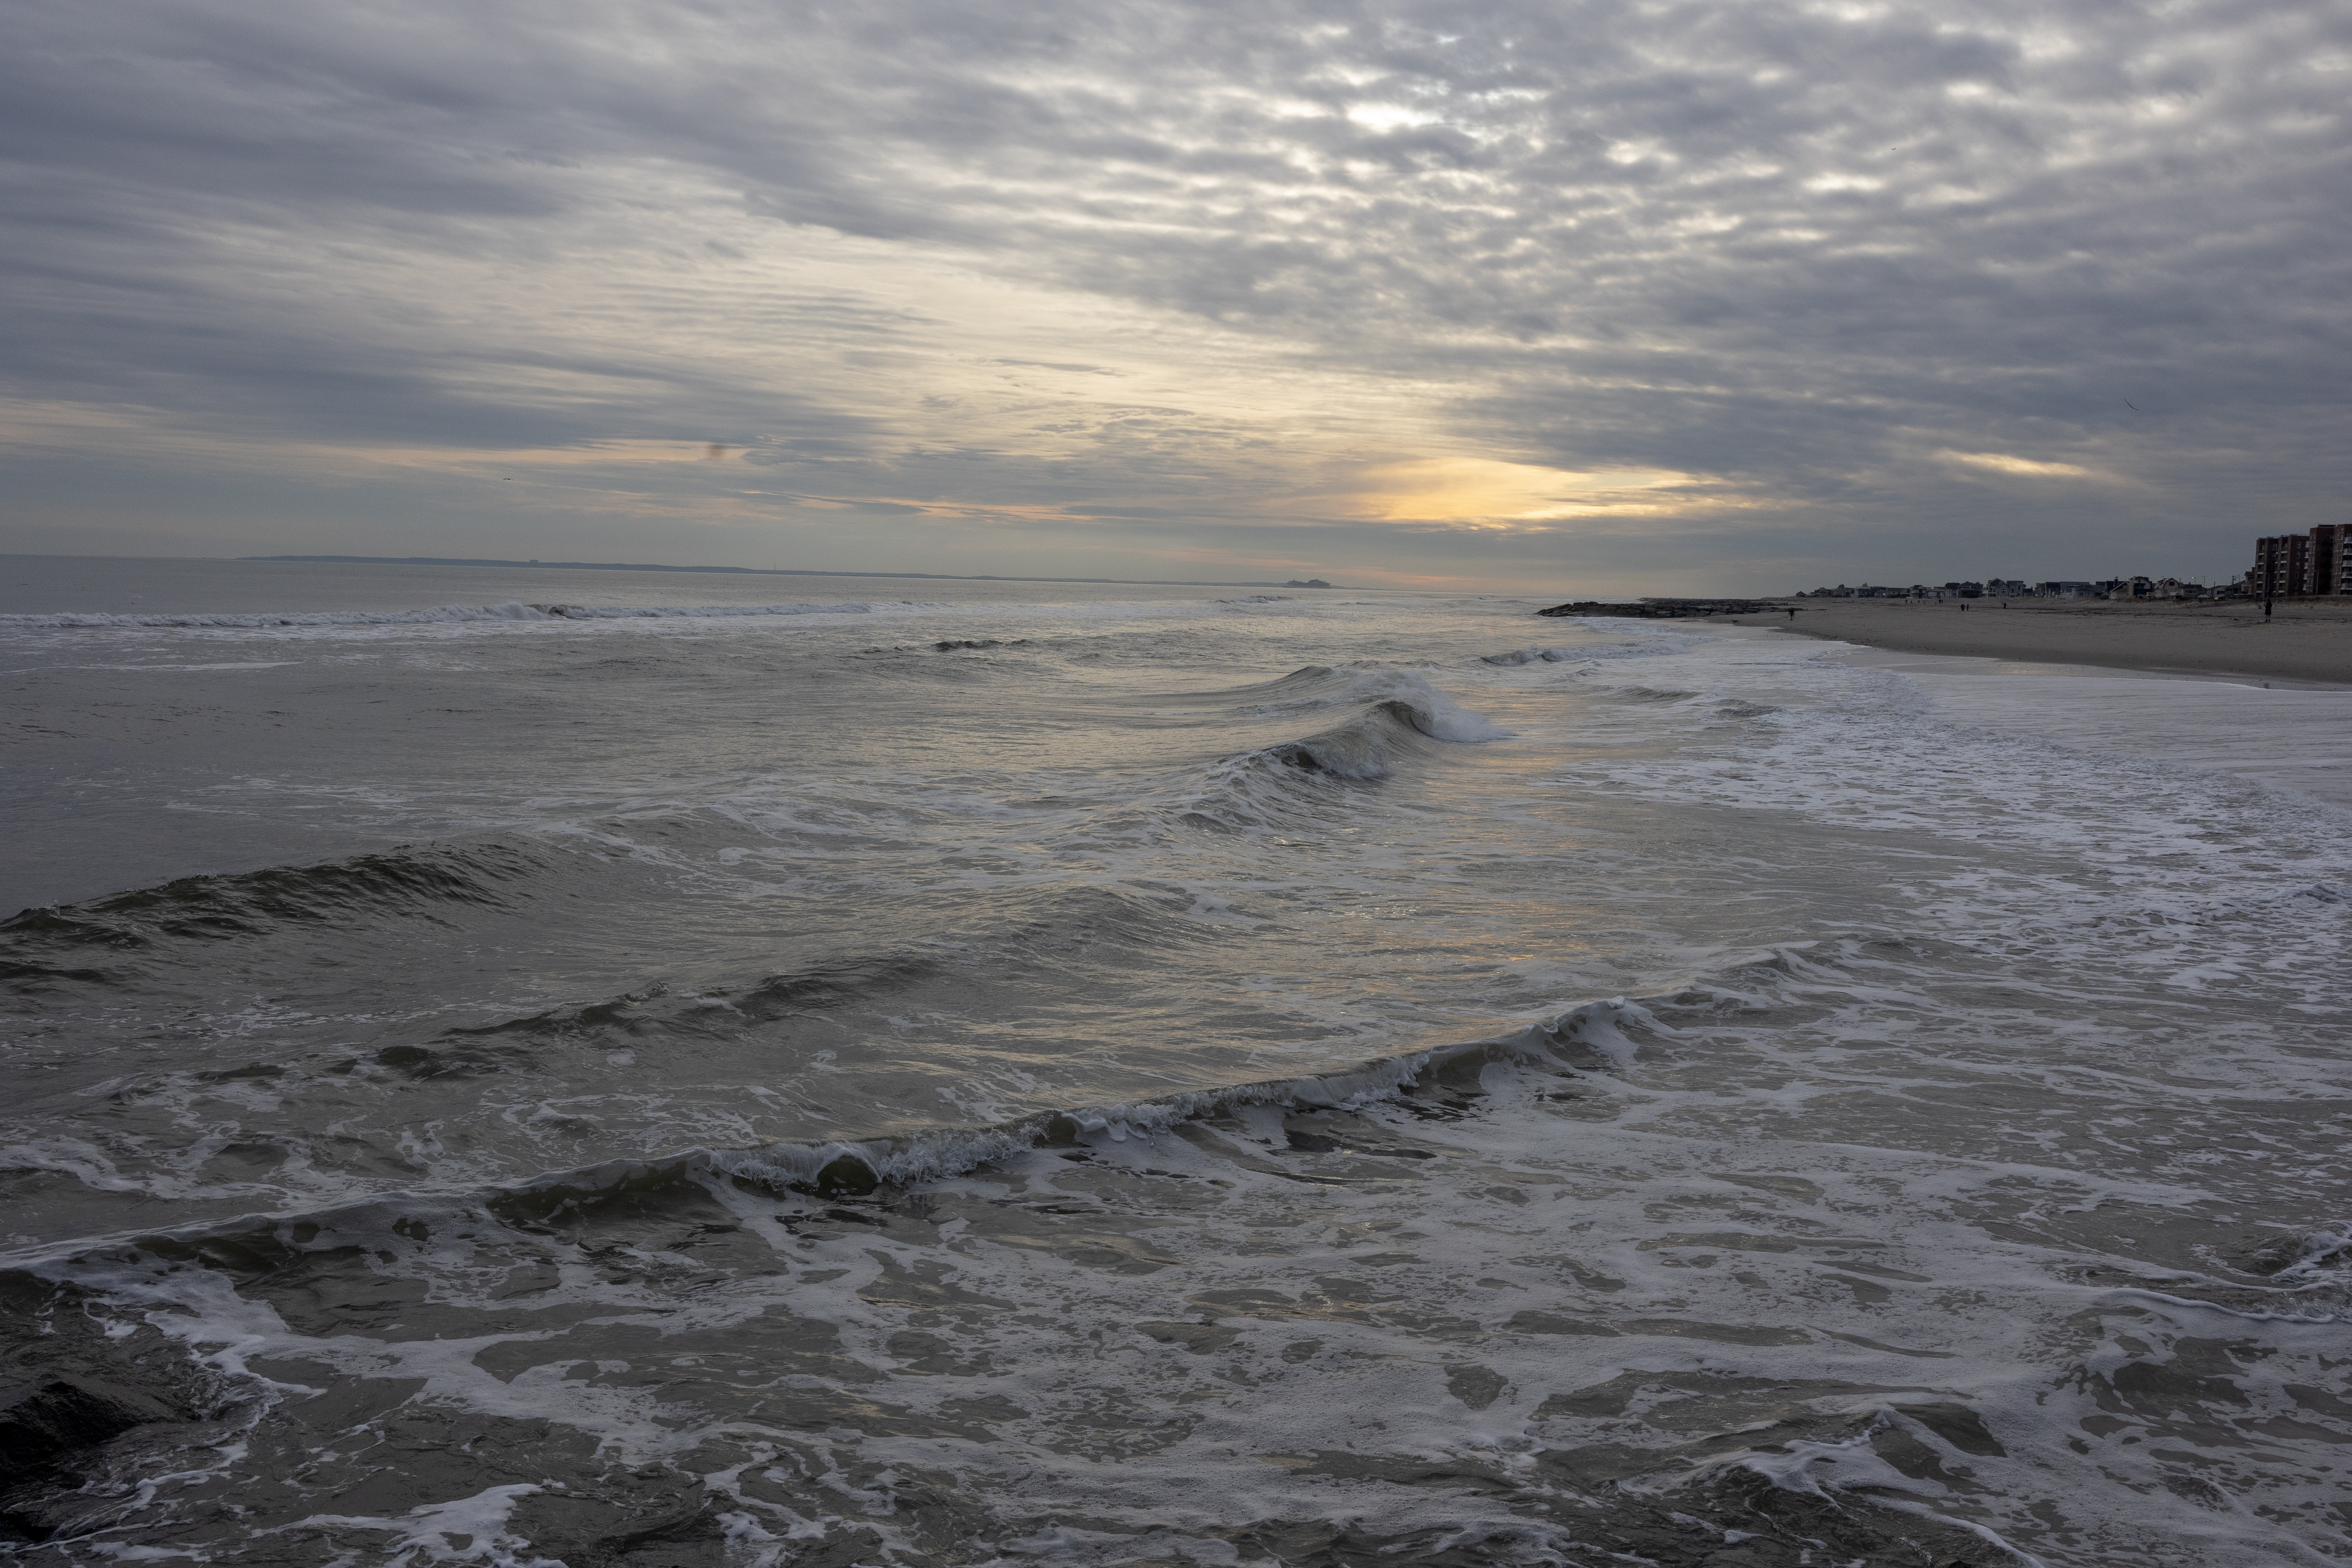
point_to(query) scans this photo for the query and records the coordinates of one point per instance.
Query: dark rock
(45, 1423)
(847, 1173)
(1662, 609)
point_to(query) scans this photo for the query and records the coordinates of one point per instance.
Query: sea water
(522, 1067)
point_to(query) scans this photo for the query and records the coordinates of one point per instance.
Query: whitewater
(532, 1067)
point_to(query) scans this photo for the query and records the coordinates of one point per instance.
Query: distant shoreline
(780, 571)
(2305, 642)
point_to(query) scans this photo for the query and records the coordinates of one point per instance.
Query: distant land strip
(1661, 609)
(759, 571)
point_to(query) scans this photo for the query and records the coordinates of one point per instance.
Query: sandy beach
(2303, 642)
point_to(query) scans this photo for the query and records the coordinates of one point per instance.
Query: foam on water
(1061, 1089)
(1492, 1295)
(2296, 739)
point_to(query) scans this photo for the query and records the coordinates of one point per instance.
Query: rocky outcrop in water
(1661, 609)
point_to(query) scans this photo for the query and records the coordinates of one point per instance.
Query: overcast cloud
(1596, 295)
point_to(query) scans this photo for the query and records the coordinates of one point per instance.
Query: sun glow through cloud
(1037, 293)
(2003, 463)
(1485, 493)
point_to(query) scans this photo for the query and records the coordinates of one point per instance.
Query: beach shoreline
(2304, 642)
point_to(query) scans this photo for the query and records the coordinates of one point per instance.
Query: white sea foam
(1494, 1253)
(463, 1530)
(2291, 739)
(1970, 1134)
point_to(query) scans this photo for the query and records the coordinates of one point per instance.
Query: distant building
(2301, 565)
(2141, 588)
(2281, 564)
(2331, 558)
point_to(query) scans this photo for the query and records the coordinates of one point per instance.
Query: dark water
(701, 1073)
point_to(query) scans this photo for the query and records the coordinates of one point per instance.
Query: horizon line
(788, 572)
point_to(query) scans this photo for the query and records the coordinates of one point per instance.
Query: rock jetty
(1662, 609)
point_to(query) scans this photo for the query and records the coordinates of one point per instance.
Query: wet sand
(2303, 642)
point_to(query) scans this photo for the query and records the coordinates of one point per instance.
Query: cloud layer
(1735, 294)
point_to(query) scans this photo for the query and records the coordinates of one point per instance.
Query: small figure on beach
(1792, 615)
(2266, 609)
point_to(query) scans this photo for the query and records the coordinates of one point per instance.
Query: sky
(1619, 295)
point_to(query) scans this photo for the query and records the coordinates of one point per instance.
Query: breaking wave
(1588, 1037)
(1368, 746)
(1437, 1081)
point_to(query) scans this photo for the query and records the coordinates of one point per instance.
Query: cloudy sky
(1618, 295)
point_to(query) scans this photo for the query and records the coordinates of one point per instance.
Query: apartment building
(2331, 559)
(2297, 565)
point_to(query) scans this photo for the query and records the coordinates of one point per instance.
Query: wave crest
(39, 942)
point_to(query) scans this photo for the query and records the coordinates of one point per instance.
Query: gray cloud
(1806, 253)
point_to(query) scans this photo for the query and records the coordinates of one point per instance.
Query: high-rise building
(2280, 562)
(2329, 571)
(2297, 565)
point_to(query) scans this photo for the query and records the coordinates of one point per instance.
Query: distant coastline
(776, 571)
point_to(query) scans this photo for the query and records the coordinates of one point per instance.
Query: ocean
(533, 1066)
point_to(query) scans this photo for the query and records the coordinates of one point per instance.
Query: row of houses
(2301, 565)
(1999, 588)
(2018, 588)
(2312, 565)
